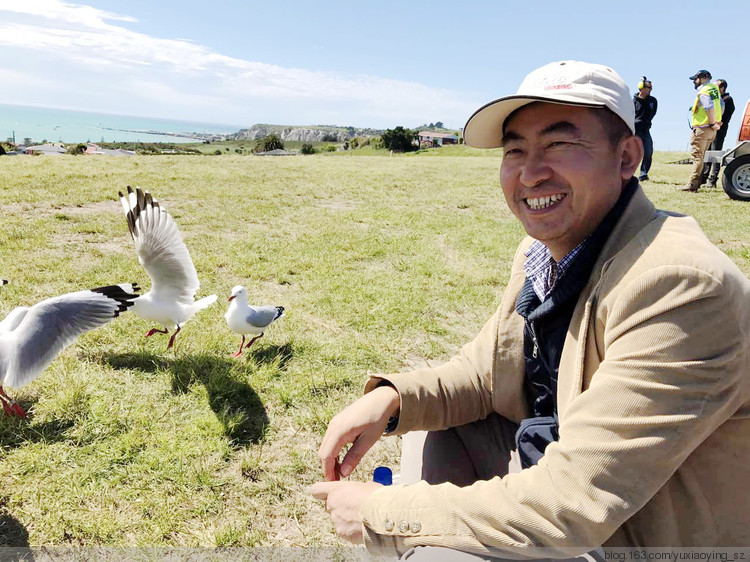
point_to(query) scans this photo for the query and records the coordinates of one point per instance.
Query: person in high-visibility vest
(711, 171)
(705, 120)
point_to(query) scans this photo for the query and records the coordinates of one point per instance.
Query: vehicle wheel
(736, 178)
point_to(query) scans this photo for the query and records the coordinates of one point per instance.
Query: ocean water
(60, 125)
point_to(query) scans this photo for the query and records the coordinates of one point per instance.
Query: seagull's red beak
(230, 298)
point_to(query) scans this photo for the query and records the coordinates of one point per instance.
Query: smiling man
(616, 366)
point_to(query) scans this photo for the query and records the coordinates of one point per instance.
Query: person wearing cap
(711, 172)
(616, 366)
(705, 120)
(645, 109)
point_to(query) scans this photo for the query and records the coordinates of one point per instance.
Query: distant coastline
(69, 126)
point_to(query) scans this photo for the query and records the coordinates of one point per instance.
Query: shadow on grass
(237, 406)
(270, 355)
(12, 533)
(14, 432)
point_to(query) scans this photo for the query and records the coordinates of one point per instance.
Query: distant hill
(434, 128)
(312, 133)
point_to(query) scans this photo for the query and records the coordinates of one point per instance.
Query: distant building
(432, 138)
(46, 149)
(96, 149)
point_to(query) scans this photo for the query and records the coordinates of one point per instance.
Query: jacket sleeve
(672, 363)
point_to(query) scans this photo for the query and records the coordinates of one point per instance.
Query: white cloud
(82, 47)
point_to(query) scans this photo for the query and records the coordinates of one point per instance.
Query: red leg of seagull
(252, 341)
(171, 340)
(152, 331)
(239, 351)
(11, 407)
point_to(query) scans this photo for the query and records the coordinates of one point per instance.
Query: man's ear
(631, 154)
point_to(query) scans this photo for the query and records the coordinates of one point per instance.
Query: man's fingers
(320, 490)
(355, 454)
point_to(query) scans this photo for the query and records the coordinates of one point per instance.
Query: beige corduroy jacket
(653, 401)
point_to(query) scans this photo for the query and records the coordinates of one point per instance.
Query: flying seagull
(162, 253)
(243, 318)
(32, 337)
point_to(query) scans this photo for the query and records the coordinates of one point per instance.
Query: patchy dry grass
(382, 263)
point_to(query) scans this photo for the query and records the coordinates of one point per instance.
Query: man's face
(697, 81)
(560, 174)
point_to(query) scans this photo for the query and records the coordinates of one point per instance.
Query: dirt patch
(98, 207)
(338, 205)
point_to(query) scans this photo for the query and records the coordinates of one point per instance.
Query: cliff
(317, 133)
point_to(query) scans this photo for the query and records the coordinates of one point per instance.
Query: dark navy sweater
(546, 325)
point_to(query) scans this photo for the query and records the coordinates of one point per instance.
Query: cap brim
(484, 129)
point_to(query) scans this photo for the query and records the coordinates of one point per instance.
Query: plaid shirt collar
(543, 271)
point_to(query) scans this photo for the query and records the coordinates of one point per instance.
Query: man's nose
(534, 169)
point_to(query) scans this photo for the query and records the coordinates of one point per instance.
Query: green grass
(382, 263)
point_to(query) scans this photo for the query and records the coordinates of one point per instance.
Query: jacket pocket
(533, 436)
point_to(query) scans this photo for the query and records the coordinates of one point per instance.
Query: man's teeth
(543, 202)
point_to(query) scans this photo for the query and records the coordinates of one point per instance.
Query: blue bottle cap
(383, 475)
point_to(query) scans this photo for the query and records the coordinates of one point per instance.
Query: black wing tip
(120, 294)
(279, 312)
(3, 281)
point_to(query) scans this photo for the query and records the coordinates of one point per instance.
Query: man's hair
(615, 127)
(721, 82)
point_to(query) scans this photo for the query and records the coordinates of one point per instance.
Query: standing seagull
(162, 253)
(245, 319)
(32, 337)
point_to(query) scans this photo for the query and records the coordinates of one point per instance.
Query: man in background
(645, 110)
(705, 120)
(711, 172)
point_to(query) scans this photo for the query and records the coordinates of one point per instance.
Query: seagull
(245, 319)
(32, 337)
(162, 253)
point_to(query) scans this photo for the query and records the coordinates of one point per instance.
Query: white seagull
(245, 319)
(32, 337)
(162, 253)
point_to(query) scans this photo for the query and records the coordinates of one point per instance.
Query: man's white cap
(567, 82)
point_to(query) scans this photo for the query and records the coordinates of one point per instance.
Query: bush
(307, 148)
(75, 149)
(330, 137)
(269, 142)
(398, 139)
(217, 152)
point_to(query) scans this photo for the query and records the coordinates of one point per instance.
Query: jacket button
(415, 526)
(403, 526)
(389, 525)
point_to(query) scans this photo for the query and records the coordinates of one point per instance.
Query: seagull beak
(230, 298)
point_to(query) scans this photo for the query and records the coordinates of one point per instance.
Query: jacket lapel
(579, 355)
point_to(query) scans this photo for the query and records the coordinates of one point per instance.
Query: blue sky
(364, 64)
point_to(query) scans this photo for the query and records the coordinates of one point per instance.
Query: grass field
(382, 263)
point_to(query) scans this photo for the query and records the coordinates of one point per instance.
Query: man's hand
(361, 424)
(343, 501)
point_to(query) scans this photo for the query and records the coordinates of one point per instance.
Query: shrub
(398, 139)
(269, 142)
(75, 149)
(307, 148)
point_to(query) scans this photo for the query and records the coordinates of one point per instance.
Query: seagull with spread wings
(163, 254)
(32, 337)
